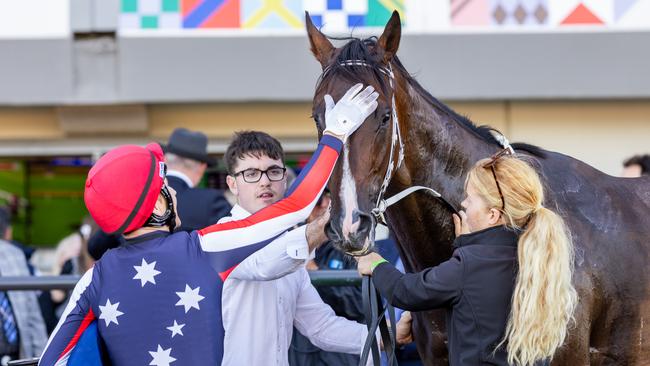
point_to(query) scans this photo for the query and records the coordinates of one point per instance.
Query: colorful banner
(349, 15)
(342, 15)
(150, 14)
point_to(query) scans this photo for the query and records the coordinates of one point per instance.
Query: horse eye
(386, 118)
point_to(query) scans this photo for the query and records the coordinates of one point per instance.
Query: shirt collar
(144, 237)
(496, 235)
(238, 212)
(181, 176)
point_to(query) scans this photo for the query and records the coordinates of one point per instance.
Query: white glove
(350, 111)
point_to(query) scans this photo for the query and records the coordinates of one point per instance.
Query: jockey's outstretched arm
(236, 240)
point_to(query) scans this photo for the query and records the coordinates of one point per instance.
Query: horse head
(372, 152)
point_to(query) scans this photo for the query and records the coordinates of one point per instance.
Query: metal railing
(66, 282)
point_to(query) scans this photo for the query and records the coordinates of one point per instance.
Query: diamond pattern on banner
(519, 12)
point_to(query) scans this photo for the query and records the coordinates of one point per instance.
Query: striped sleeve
(76, 318)
(272, 221)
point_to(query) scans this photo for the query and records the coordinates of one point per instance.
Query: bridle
(396, 143)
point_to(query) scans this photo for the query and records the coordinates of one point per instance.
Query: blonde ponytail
(544, 298)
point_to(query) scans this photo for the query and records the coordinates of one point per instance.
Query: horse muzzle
(351, 236)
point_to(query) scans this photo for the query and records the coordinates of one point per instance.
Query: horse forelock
(356, 49)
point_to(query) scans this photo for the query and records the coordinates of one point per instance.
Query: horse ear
(389, 40)
(321, 47)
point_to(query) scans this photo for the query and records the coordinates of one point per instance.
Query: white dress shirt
(260, 307)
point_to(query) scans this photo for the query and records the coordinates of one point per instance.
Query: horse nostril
(366, 224)
(331, 232)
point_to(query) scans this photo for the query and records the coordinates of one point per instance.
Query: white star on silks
(189, 298)
(109, 312)
(146, 272)
(161, 357)
(176, 329)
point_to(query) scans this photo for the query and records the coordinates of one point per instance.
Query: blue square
(356, 20)
(334, 4)
(317, 20)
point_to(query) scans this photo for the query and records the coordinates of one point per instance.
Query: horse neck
(438, 154)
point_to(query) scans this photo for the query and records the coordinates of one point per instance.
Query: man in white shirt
(259, 316)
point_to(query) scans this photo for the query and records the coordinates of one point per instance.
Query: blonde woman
(507, 288)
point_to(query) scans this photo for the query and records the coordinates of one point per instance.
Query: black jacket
(198, 207)
(475, 286)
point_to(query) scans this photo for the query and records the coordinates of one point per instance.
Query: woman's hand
(460, 223)
(403, 333)
(364, 263)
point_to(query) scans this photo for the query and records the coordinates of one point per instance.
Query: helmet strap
(166, 219)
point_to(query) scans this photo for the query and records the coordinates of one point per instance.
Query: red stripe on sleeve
(84, 324)
(304, 194)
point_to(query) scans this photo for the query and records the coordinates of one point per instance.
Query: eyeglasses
(252, 175)
(490, 164)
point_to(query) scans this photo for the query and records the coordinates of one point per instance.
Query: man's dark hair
(5, 221)
(253, 143)
(641, 160)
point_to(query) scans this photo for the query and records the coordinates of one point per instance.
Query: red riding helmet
(123, 186)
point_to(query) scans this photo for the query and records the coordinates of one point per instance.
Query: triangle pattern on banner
(581, 15)
(621, 7)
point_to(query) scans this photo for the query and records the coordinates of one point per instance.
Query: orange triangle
(582, 15)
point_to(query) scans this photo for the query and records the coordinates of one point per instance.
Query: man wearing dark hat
(187, 159)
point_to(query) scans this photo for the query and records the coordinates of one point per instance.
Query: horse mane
(357, 49)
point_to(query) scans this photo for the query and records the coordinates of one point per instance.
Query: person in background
(22, 330)
(71, 258)
(636, 166)
(186, 155)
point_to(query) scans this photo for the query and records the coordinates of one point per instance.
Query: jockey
(156, 299)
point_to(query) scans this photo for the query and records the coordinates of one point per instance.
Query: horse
(412, 139)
